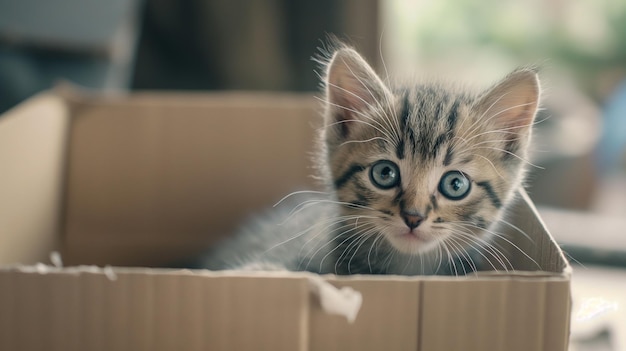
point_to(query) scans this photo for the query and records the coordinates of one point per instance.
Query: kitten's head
(425, 164)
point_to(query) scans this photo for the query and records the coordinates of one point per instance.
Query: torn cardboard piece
(344, 301)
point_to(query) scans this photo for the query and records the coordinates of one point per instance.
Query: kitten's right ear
(512, 104)
(352, 88)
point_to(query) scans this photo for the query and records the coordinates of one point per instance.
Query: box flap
(81, 308)
(390, 308)
(155, 178)
(527, 242)
(529, 314)
(87, 308)
(32, 150)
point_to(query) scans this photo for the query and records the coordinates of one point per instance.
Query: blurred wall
(242, 44)
(88, 42)
(171, 45)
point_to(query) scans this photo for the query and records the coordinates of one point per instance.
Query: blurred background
(579, 45)
(579, 183)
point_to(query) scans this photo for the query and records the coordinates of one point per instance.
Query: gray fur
(425, 130)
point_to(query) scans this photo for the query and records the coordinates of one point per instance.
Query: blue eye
(455, 185)
(385, 174)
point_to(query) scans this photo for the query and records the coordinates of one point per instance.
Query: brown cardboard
(32, 160)
(141, 170)
(148, 310)
(147, 179)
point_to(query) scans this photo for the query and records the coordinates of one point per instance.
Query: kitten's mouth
(411, 241)
(414, 235)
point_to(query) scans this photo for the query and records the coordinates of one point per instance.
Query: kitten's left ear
(512, 104)
(352, 88)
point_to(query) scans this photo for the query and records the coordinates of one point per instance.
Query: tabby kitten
(418, 176)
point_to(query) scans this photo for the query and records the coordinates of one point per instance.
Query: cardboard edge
(142, 308)
(76, 94)
(33, 149)
(567, 269)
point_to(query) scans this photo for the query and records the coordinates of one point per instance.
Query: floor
(598, 288)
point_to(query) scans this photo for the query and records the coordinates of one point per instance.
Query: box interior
(155, 178)
(149, 179)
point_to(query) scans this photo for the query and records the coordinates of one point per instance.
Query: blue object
(613, 142)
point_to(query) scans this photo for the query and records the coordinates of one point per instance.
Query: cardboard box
(148, 179)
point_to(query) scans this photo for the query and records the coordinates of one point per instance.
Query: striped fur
(427, 130)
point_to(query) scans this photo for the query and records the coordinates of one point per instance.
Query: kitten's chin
(411, 242)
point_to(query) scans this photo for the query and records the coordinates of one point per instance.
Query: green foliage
(585, 37)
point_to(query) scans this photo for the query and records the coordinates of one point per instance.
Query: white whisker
(369, 252)
(380, 111)
(502, 237)
(483, 245)
(383, 129)
(366, 235)
(330, 224)
(379, 127)
(329, 221)
(473, 127)
(363, 141)
(518, 230)
(308, 203)
(510, 153)
(298, 193)
(495, 169)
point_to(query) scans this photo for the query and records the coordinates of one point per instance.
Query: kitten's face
(425, 167)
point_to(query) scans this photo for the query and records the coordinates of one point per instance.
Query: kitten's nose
(412, 219)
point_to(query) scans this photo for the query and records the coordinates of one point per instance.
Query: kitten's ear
(352, 88)
(512, 104)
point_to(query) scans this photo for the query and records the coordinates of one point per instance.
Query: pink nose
(412, 219)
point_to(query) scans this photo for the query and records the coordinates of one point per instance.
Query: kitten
(418, 177)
